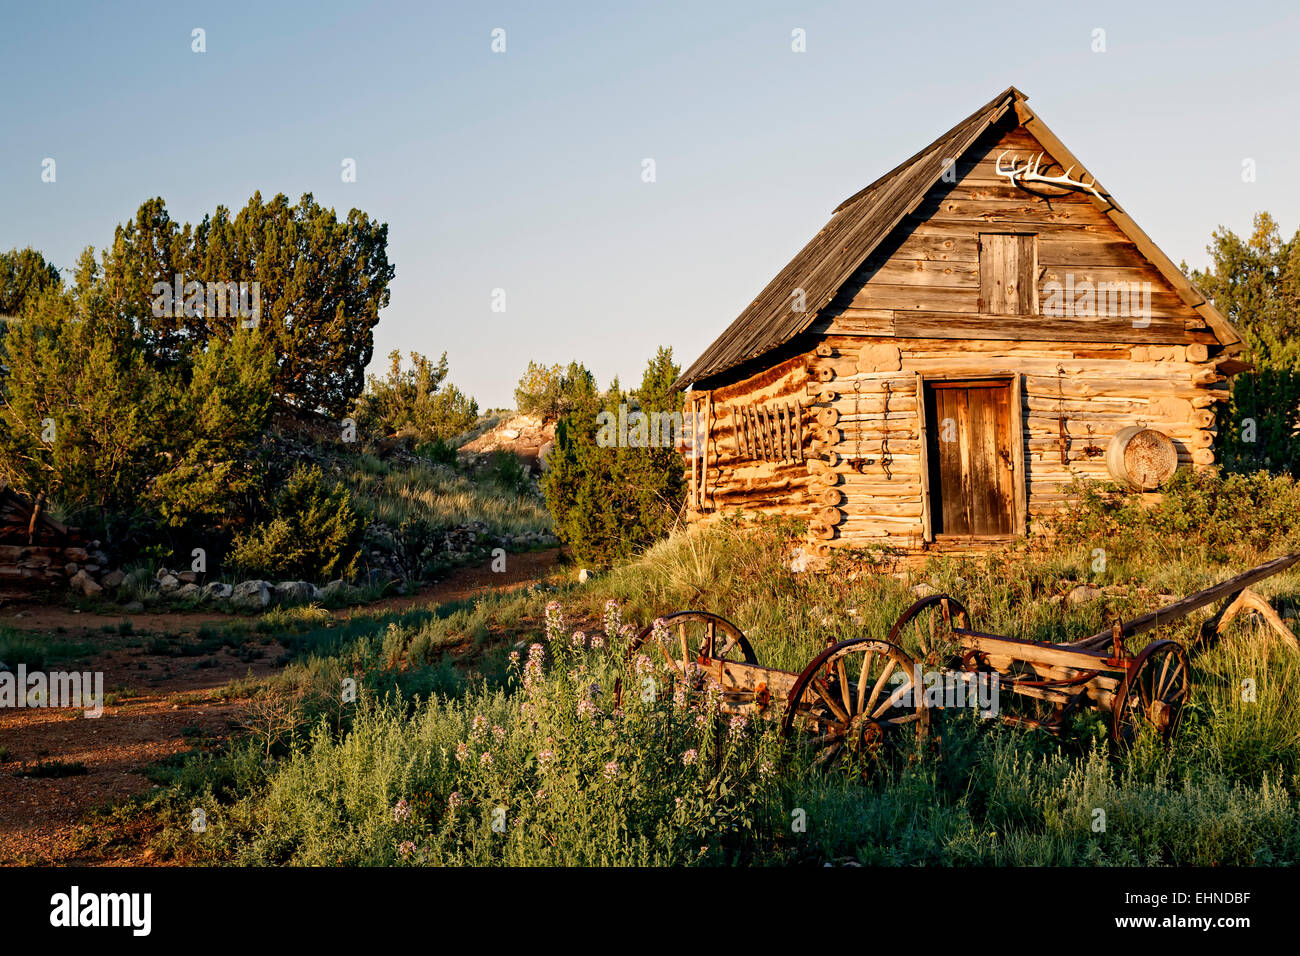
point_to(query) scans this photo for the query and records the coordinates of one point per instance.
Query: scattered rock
(799, 563)
(584, 576)
(113, 579)
(134, 607)
(1165, 599)
(251, 595)
(295, 592)
(189, 592)
(336, 588)
(924, 589)
(221, 592)
(1083, 594)
(70, 568)
(189, 577)
(378, 577)
(83, 582)
(168, 583)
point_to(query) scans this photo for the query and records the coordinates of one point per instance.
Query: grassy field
(488, 734)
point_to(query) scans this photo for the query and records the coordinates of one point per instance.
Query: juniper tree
(25, 275)
(609, 501)
(87, 421)
(321, 282)
(1255, 282)
(417, 400)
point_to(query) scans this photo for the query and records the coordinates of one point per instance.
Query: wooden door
(1008, 270)
(971, 458)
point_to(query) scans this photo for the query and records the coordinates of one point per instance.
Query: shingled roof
(865, 219)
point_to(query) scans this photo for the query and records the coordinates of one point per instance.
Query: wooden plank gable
(972, 244)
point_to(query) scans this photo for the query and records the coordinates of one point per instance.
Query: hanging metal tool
(1063, 441)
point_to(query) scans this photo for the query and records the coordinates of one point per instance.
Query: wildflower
(689, 758)
(642, 665)
(659, 633)
(554, 620)
(613, 619)
(454, 800)
(406, 848)
(586, 709)
(499, 734)
(539, 796)
(578, 639)
(401, 810)
(611, 770)
(765, 769)
(544, 759)
(533, 669)
(597, 641)
(736, 728)
(477, 726)
(462, 751)
(514, 657)
(485, 759)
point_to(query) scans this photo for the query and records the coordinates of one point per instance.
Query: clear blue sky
(522, 170)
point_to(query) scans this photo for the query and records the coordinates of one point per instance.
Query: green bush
(505, 470)
(609, 501)
(550, 393)
(417, 401)
(118, 442)
(1225, 512)
(312, 533)
(437, 451)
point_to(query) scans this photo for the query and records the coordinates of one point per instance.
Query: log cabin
(967, 336)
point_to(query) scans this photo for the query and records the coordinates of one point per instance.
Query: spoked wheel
(930, 622)
(1152, 694)
(854, 698)
(690, 638)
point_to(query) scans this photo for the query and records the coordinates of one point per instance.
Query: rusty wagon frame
(858, 693)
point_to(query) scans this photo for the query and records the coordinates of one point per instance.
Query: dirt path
(165, 704)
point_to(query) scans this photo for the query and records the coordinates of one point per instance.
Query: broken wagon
(857, 694)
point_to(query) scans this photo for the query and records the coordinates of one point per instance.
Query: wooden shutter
(1008, 273)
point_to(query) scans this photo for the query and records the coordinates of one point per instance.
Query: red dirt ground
(173, 704)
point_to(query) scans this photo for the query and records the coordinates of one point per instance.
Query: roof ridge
(1010, 91)
(760, 326)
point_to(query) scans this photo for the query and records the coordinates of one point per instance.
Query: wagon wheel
(931, 620)
(1152, 693)
(847, 701)
(692, 637)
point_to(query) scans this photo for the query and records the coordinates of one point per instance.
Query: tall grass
(447, 499)
(399, 775)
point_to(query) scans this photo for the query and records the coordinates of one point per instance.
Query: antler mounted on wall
(1030, 173)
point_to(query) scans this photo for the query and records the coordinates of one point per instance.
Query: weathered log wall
(756, 462)
(1097, 390)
